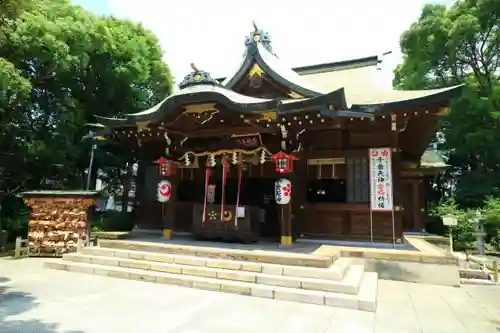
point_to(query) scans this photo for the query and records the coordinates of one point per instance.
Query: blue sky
(96, 6)
(211, 33)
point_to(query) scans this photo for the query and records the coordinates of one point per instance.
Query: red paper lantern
(165, 167)
(283, 162)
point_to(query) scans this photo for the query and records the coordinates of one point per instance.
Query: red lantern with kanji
(165, 167)
(283, 162)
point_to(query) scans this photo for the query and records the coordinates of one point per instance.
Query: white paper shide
(211, 194)
(380, 179)
(282, 191)
(164, 191)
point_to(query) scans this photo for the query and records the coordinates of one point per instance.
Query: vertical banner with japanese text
(380, 179)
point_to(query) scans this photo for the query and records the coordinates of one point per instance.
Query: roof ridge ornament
(259, 36)
(197, 76)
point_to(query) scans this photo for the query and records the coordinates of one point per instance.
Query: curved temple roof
(197, 87)
(259, 51)
(200, 87)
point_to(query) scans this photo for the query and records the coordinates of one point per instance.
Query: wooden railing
(490, 268)
(21, 249)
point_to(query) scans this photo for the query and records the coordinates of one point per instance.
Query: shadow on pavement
(391, 271)
(13, 303)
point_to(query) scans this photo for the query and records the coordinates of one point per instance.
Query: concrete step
(348, 285)
(364, 300)
(368, 292)
(475, 281)
(468, 273)
(259, 256)
(335, 272)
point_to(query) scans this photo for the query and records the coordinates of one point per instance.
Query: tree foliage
(461, 45)
(59, 67)
(11, 9)
(463, 233)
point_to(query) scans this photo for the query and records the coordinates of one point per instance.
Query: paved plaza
(38, 300)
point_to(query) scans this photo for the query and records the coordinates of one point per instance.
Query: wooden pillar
(285, 216)
(415, 205)
(419, 204)
(396, 177)
(299, 192)
(169, 208)
(140, 190)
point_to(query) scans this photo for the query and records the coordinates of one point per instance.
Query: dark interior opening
(190, 191)
(256, 192)
(326, 191)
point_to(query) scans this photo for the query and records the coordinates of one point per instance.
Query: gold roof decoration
(197, 76)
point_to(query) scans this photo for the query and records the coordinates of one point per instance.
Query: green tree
(59, 67)
(455, 45)
(11, 9)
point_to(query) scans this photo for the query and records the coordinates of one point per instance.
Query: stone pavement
(37, 300)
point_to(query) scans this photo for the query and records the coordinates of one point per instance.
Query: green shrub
(16, 226)
(15, 216)
(491, 212)
(463, 233)
(112, 221)
(463, 238)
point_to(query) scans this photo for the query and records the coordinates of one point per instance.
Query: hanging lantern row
(166, 167)
(283, 162)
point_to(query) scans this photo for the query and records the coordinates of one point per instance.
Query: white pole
(392, 199)
(370, 168)
(90, 165)
(451, 239)
(371, 224)
(393, 227)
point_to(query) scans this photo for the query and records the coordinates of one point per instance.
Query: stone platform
(424, 263)
(301, 277)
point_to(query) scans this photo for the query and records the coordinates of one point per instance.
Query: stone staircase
(306, 278)
(474, 273)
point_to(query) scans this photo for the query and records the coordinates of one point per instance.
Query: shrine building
(281, 153)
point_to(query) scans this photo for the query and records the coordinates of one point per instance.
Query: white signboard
(240, 212)
(380, 179)
(211, 194)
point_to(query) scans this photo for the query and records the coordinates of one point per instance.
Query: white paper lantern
(282, 191)
(164, 191)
